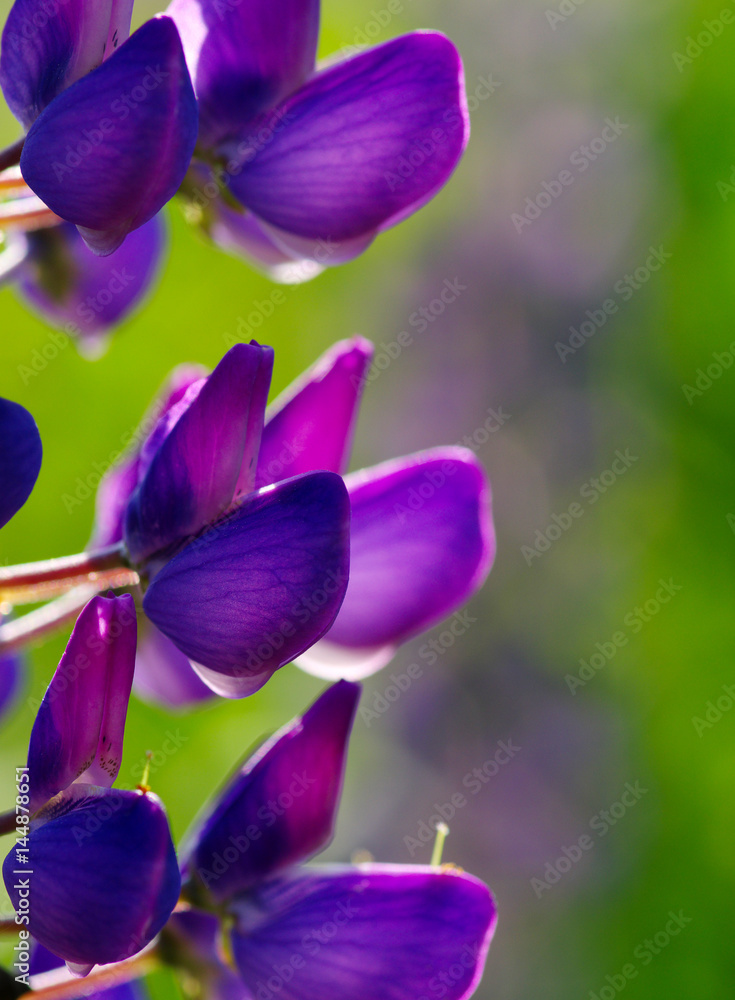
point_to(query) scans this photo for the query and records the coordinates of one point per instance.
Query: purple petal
(105, 876)
(310, 425)
(240, 234)
(280, 807)
(206, 458)
(244, 57)
(194, 936)
(361, 145)
(421, 544)
(164, 676)
(395, 931)
(11, 680)
(78, 732)
(82, 293)
(42, 960)
(47, 47)
(261, 586)
(20, 457)
(119, 483)
(111, 150)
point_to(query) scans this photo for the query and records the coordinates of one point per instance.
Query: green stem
(62, 987)
(36, 624)
(30, 582)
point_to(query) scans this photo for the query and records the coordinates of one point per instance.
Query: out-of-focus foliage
(660, 188)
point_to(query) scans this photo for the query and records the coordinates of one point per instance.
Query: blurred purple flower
(81, 293)
(357, 931)
(104, 872)
(322, 160)
(111, 120)
(11, 678)
(21, 453)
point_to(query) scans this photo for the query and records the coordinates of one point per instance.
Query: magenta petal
(111, 150)
(119, 483)
(280, 807)
(261, 586)
(82, 293)
(310, 425)
(361, 145)
(244, 57)
(163, 675)
(78, 732)
(104, 875)
(403, 932)
(206, 458)
(422, 543)
(46, 48)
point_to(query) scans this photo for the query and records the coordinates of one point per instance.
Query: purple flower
(242, 580)
(11, 680)
(81, 293)
(20, 457)
(102, 870)
(421, 538)
(111, 120)
(359, 931)
(322, 160)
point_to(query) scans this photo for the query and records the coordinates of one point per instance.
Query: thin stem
(36, 624)
(442, 831)
(27, 213)
(10, 156)
(58, 984)
(7, 822)
(69, 570)
(12, 180)
(8, 926)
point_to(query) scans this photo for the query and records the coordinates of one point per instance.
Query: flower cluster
(231, 540)
(290, 165)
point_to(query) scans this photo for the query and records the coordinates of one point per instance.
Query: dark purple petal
(105, 876)
(42, 960)
(20, 457)
(395, 931)
(11, 680)
(48, 46)
(164, 675)
(310, 425)
(119, 483)
(361, 145)
(260, 586)
(111, 150)
(244, 57)
(82, 293)
(280, 807)
(421, 544)
(206, 458)
(78, 732)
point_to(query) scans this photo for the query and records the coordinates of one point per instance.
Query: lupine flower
(43, 961)
(322, 160)
(20, 457)
(103, 875)
(81, 293)
(241, 580)
(11, 679)
(111, 120)
(421, 536)
(358, 931)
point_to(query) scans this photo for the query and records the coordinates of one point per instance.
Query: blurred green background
(545, 80)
